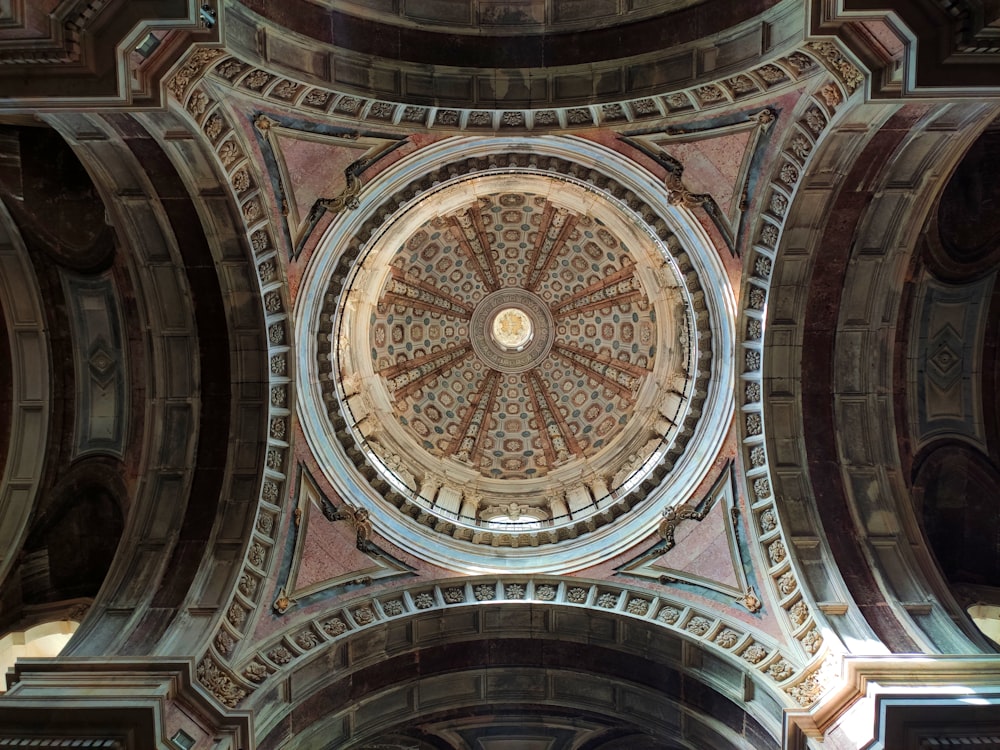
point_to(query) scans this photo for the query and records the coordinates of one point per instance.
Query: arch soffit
(370, 633)
(23, 314)
(203, 106)
(174, 381)
(819, 124)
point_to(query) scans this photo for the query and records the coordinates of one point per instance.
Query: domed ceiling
(512, 352)
(514, 336)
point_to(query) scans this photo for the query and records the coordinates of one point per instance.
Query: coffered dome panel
(520, 352)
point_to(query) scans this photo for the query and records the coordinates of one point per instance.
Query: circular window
(518, 359)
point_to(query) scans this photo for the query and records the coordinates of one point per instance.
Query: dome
(515, 353)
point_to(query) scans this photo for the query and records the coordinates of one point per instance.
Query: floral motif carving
(317, 98)
(364, 615)
(424, 600)
(780, 670)
(545, 592)
(788, 174)
(392, 607)
(255, 672)
(771, 73)
(830, 94)
(229, 69)
(778, 204)
(269, 492)
(753, 424)
(798, 612)
(752, 393)
(307, 639)
(776, 551)
(198, 103)
(757, 457)
(213, 127)
(849, 74)
(248, 585)
(750, 600)
(513, 591)
(811, 641)
(275, 459)
(769, 235)
(256, 555)
(279, 365)
(644, 107)
(757, 297)
(607, 600)
(762, 267)
(257, 80)
(815, 121)
(576, 595)
(755, 653)
(224, 642)
(276, 333)
(698, 625)
(637, 606)
(762, 488)
(708, 94)
(349, 104)
(286, 90)
(768, 521)
(669, 615)
(280, 655)
(279, 396)
(512, 119)
(219, 683)
(334, 626)
(237, 615)
(229, 153)
(485, 592)
(753, 360)
(727, 638)
(787, 583)
(806, 692)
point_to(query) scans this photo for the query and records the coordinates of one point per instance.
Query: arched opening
(44, 640)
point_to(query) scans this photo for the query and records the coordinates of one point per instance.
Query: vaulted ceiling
(537, 373)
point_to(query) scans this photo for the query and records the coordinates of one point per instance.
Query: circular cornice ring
(512, 330)
(686, 249)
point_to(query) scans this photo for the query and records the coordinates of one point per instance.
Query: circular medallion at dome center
(511, 330)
